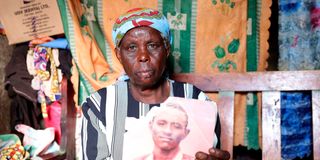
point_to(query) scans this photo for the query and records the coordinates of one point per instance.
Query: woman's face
(143, 54)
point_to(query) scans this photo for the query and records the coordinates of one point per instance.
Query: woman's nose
(144, 55)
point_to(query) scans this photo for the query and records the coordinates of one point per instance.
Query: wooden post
(271, 135)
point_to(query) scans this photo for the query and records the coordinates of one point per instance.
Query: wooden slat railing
(270, 84)
(68, 120)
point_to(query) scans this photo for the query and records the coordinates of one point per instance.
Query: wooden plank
(316, 123)
(271, 135)
(254, 81)
(71, 122)
(68, 121)
(226, 113)
(63, 119)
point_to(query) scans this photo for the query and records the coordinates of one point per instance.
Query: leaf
(215, 63)
(103, 78)
(219, 51)
(232, 4)
(83, 21)
(221, 67)
(93, 75)
(234, 46)
(232, 64)
(214, 2)
(227, 67)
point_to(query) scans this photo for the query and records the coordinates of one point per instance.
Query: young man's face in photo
(169, 128)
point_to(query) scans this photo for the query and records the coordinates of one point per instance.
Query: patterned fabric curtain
(299, 42)
(209, 36)
(299, 35)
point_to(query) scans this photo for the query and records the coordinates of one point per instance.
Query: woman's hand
(39, 40)
(214, 154)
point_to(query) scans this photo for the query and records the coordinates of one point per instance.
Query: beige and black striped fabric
(105, 112)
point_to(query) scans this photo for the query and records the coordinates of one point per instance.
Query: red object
(53, 119)
(141, 23)
(315, 18)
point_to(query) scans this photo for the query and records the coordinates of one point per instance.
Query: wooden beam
(316, 123)
(271, 129)
(63, 119)
(254, 81)
(226, 113)
(68, 121)
(71, 122)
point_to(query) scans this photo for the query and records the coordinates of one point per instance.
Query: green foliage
(84, 21)
(219, 51)
(232, 4)
(234, 46)
(228, 2)
(224, 65)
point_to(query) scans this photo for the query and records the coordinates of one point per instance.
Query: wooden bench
(270, 84)
(227, 84)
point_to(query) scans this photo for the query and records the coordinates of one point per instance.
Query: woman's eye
(152, 45)
(132, 47)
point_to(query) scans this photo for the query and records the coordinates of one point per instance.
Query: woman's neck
(151, 95)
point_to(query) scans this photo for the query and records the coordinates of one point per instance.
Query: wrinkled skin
(143, 55)
(213, 154)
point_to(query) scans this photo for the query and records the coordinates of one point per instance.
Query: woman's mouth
(147, 73)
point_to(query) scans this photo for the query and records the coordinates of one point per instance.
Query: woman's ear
(117, 51)
(168, 48)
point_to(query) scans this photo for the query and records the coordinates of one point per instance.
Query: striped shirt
(105, 112)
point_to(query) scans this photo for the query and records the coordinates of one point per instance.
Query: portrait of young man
(169, 126)
(176, 130)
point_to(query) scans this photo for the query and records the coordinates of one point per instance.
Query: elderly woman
(142, 45)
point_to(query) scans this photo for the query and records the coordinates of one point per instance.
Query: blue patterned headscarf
(140, 17)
